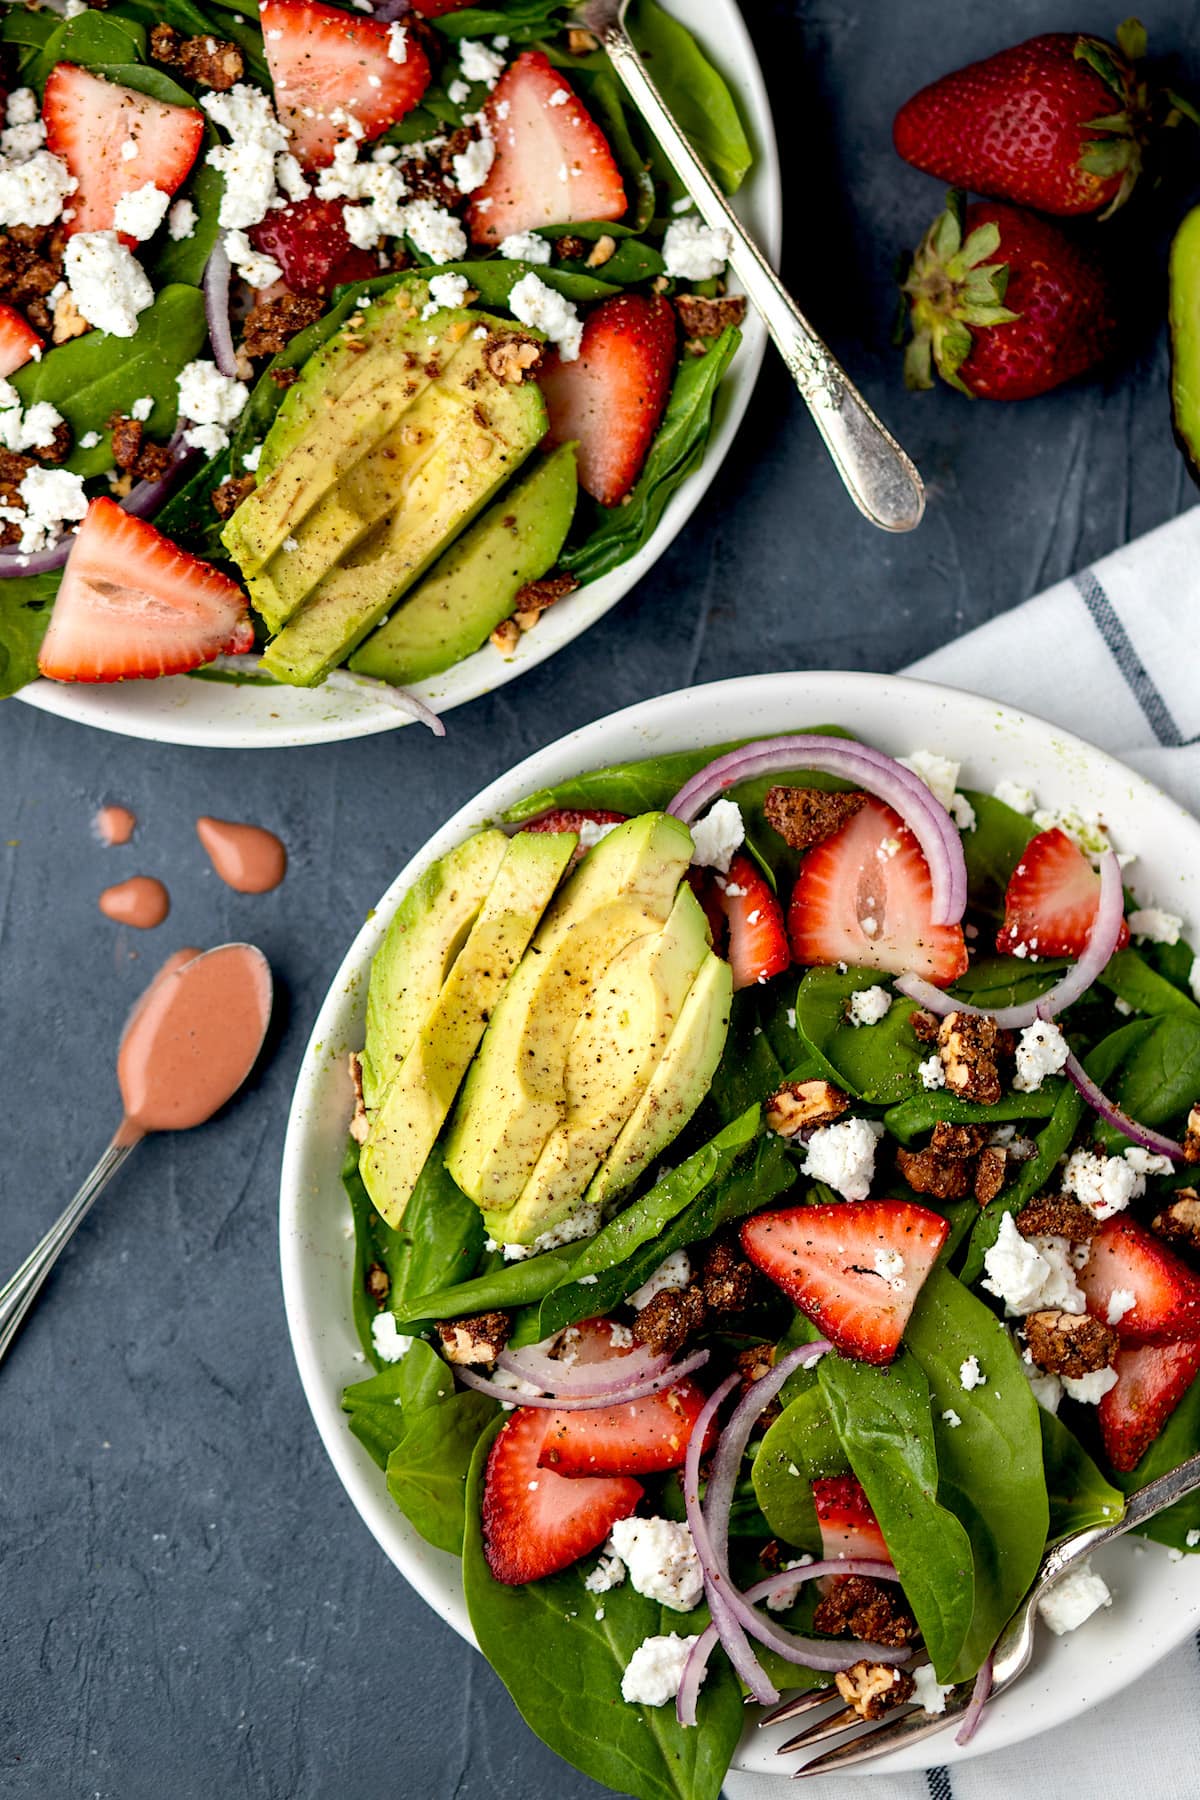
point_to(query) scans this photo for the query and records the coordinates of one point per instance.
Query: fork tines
(841, 1721)
(792, 1709)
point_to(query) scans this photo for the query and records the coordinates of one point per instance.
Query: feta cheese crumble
(1073, 1600)
(478, 63)
(889, 1266)
(932, 1073)
(210, 401)
(1041, 1050)
(675, 1272)
(107, 282)
(32, 192)
(970, 1375)
(583, 1223)
(869, 1005)
(434, 231)
(248, 161)
(661, 1561)
(928, 1692)
(1106, 1184)
(655, 1669)
(50, 499)
(444, 291)
(546, 310)
(1153, 926)
(397, 45)
(694, 251)
(142, 408)
(843, 1156)
(787, 1596)
(256, 268)
(526, 246)
(608, 1573)
(1031, 1274)
(951, 1418)
(1120, 1301)
(1014, 795)
(390, 1344)
(1090, 1389)
(181, 221)
(140, 213)
(940, 775)
(716, 836)
(591, 832)
(473, 165)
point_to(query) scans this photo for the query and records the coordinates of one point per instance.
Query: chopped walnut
(1054, 1215)
(602, 251)
(506, 636)
(475, 1340)
(874, 1611)
(1179, 1223)
(359, 1125)
(807, 816)
(1071, 1344)
(272, 324)
(581, 42)
(945, 1177)
(873, 1689)
(1191, 1136)
(801, 1104)
(69, 322)
(969, 1048)
(378, 1282)
(706, 318)
(990, 1171)
(513, 357)
(669, 1319)
(209, 61)
(229, 496)
(726, 1277)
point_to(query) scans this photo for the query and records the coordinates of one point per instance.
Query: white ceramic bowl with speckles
(1156, 1600)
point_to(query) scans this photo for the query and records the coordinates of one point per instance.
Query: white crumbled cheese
(970, 1375)
(435, 232)
(473, 165)
(212, 439)
(889, 1266)
(962, 812)
(446, 290)
(694, 251)
(19, 142)
(591, 833)
(675, 1272)
(32, 192)
(1014, 795)
(390, 1344)
(248, 161)
(1041, 1050)
(140, 213)
(526, 246)
(1146, 1162)
(89, 440)
(583, 1223)
(51, 498)
(1151, 925)
(397, 45)
(718, 835)
(130, 149)
(786, 1596)
(661, 1560)
(951, 1418)
(1091, 1388)
(939, 774)
(1104, 1184)
(108, 284)
(478, 63)
(181, 221)
(620, 1336)
(928, 1692)
(655, 1669)
(932, 1074)
(1031, 1274)
(547, 310)
(362, 227)
(459, 92)
(251, 458)
(210, 401)
(608, 1573)
(1047, 1387)
(869, 1005)
(29, 430)
(142, 408)
(22, 107)
(843, 1156)
(1120, 1301)
(1194, 979)
(1192, 1539)
(256, 268)
(1073, 1599)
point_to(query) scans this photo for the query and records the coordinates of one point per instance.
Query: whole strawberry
(1059, 123)
(1004, 304)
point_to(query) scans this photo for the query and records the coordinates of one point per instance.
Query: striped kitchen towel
(1114, 655)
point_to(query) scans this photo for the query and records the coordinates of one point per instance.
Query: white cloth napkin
(1113, 654)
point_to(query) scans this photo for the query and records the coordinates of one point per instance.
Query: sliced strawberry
(1150, 1384)
(324, 63)
(758, 945)
(131, 603)
(635, 1437)
(90, 121)
(534, 1521)
(570, 818)
(703, 883)
(540, 130)
(848, 1526)
(309, 241)
(1051, 900)
(1126, 1255)
(18, 341)
(864, 897)
(611, 398)
(837, 1264)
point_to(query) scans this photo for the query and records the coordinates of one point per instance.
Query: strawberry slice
(540, 129)
(18, 341)
(131, 603)
(309, 241)
(324, 63)
(1051, 900)
(848, 1525)
(89, 124)
(838, 1265)
(570, 818)
(864, 897)
(611, 398)
(534, 1521)
(1150, 1384)
(758, 945)
(634, 1437)
(1126, 1255)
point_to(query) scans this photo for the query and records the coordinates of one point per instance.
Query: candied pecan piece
(212, 62)
(925, 1025)
(806, 816)
(513, 356)
(229, 496)
(14, 467)
(702, 317)
(505, 637)
(272, 324)
(284, 378)
(668, 1319)
(153, 462)
(57, 446)
(1055, 1215)
(970, 1046)
(990, 1171)
(1071, 1344)
(126, 440)
(945, 1177)
(475, 1340)
(873, 1689)
(726, 1277)
(377, 1282)
(875, 1611)
(800, 1104)
(757, 1361)
(536, 596)
(961, 1141)
(1191, 1136)
(1179, 1223)
(570, 247)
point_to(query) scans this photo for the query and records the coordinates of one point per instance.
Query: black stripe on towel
(1137, 676)
(939, 1784)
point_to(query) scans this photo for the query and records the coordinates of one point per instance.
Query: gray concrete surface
(188, 1605)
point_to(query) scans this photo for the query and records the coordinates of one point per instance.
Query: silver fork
(1012, 1656)
(880, 478)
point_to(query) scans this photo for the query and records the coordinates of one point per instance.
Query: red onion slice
(14, 563)
(929, 822)
(216, 307)
(979, 1699)
(408, 703)
(141, 502)
(1112, 1115)
(554, 1376)
(1101, 945)
(614, 1396)
(388, 10)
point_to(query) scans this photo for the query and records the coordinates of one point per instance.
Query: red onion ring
(13, 563)
(979, 1699)
(1112, 1115)
(929, 822)
(615, 1396)
(216, 307)
(580, 1379)
(388, 10)
(1101, 945)
(408, 703)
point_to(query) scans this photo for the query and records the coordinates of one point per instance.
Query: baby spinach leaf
(1178, 1440)
(1160, 1078)
(884, 1420)
(524, 21)
(380, 1407)
(1053, 1142)
(185, 260)
(93, 39)
(563, 1667)
(188, 18)
(993, 849)
(427, 1470)
(912, 1118)
(877, 1063)
(495, 279)
(633, 260)
(799, 1448)
(1131, 978)
(190, 520)
(25, 602)
(749, 1071)
(996, 981)
(1079, 1494)
(694, 91)
(507, 1286)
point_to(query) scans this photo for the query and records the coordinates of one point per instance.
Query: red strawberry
(758, 945)
(89, 121)
(836, 1264)
(540, 129)
(1005, 304)
(1051, 899)
(1056, 123)
(131, 603)
(872, 871)
(1126, 1255)
(534, 1521)
(635, 1437)
(1150, 1384)
(570, 818)
(848, 1525)
(309, 241)
(611, 398)
(18, 341)
(703, 883)
(324, 61)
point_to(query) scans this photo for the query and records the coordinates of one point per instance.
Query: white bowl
(260, 716)
(1157, 1600)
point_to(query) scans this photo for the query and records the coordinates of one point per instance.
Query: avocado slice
(1183, 313)
(414, 1108)
(677, 1086)
(515, 1092)
(613, 1053)
(411, 965)
(474, 584)
(456, 447)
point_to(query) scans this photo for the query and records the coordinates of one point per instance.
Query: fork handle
(1141, 1506)
(880, 479)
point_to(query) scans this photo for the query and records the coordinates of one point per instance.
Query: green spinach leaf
(800, 1447)
(381, 1407)
(1131, 978)
(427, 1471)
(1160, 1078)
(695, 93)
(911, 1118)
(502, 1288)
(1079, 1494)
(877, 1063)
(993, 849)
(25, 602)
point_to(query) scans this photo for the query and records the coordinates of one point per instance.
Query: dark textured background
(188, 1604)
